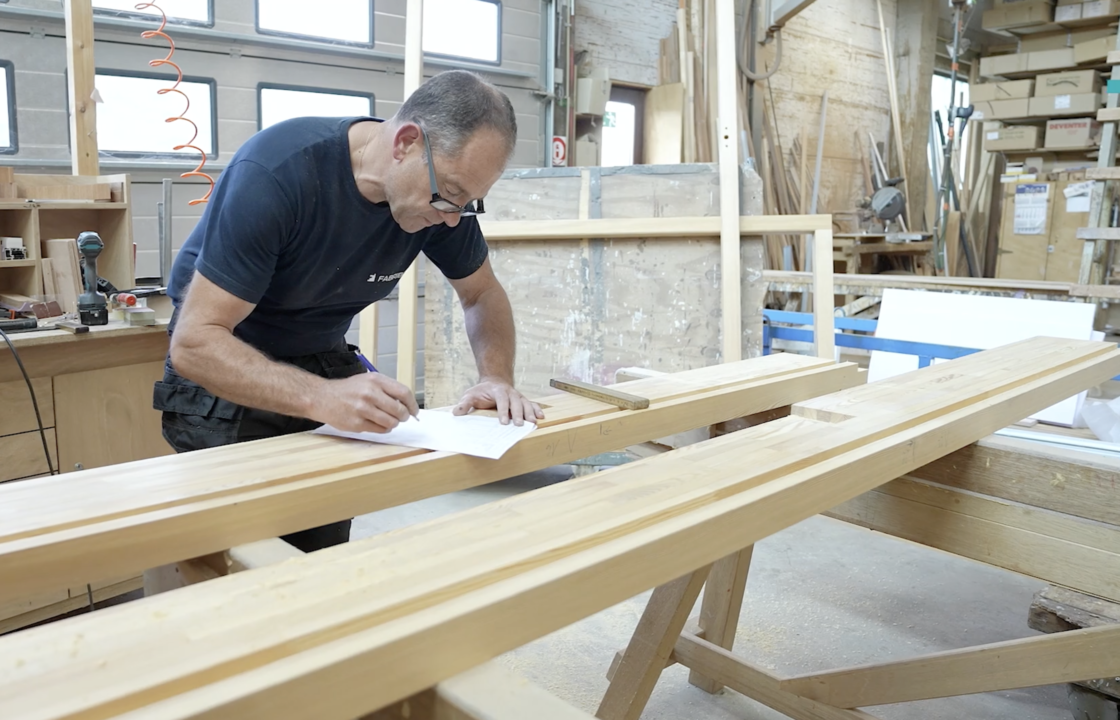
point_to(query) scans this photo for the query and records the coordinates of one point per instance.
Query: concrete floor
(821, 594)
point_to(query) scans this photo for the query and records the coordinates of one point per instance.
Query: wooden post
(915, 45)
(728, 140)
(650, 646)
(823, 312)
(408, 288)
(80, 71)
(719, 611)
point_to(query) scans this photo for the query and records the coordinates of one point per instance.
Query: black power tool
(93, 307)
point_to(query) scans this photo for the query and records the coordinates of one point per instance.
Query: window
(8, 143)
(279, 102)
(190, 11)
(132, 117)
(348, 21)
(463, 28)
(939, 95)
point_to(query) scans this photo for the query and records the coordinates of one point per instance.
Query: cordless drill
(92, 306)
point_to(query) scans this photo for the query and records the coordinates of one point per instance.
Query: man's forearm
(490, 328)
(235, 371)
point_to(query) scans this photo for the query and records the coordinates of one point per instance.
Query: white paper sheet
(976, 321)
(476, 435)
(1031, 202)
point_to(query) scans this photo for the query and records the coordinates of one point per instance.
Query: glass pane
(464, 28)
(939, 93)
(346, 20)
(132, 117)
(198, 10)
(618, 134)
(278, 105)
(5, 111)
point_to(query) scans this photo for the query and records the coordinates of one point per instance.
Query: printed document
(476, 435)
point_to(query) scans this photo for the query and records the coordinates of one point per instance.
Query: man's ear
(407, 136)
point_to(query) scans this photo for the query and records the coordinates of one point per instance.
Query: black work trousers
(194, 419)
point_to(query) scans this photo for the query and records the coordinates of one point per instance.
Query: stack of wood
(687, 72)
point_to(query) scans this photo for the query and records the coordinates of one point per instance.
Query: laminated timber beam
(1059, 658)
(86, 526)
(411, 608)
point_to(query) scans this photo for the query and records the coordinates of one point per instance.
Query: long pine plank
(418, 605)
(128, 518)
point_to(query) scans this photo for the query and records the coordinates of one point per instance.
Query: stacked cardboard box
(1021, 13)
(1070, 10)
(1076, 92)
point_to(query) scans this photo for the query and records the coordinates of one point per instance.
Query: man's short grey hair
(453, 105)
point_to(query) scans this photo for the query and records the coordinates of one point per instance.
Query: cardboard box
(1065, 13)
(1065, 105)
(587, 153)
(1045, 41)
(1007, 90)
(592, 93)
(996, 65)
(1066, 133)
(1100, 9)
(1002, 109)
(1013, 137)
(1029, 12)
(1069, 2)
(1050, 59)
(1067, 83)
(1093, 51)
(1001, 3)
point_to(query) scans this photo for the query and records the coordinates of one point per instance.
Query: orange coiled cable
(159, 32)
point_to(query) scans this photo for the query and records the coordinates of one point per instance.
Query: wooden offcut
(626, 401)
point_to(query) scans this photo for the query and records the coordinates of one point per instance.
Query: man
(313, 220)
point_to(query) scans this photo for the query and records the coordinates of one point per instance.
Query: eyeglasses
(441, 203)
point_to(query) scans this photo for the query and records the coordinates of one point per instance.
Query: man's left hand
(501, 396)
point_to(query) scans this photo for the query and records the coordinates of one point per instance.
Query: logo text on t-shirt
(385, 278)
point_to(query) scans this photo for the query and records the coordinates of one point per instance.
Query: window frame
(211, 154)
(492, 63)
(10, 81)
(315, 38)
(307, 88)
(109, 12)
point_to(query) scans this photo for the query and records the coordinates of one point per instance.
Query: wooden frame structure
(259, 644)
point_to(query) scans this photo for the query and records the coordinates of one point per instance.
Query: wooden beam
(1098, 233)
(650, 646)
(754, 681)
(727, 139)
(424, 603)
(1056, 548)
(856, 284)
(1102, 173)
(80, 69)
(510, 230)
(1058, 658)
(408, 291)
(1064, 480)
(126, 519)
(824, 331)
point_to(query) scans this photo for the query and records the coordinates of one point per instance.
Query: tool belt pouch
(193, 418)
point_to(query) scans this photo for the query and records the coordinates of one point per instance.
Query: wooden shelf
(1022, 30)
(29, 262)
(47, 205)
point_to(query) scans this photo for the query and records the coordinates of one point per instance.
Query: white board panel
(980, 322)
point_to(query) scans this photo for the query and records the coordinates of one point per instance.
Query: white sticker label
(1062, 102)
(977, 115)
(994, 135)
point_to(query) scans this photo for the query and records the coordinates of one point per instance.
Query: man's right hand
(370, 402)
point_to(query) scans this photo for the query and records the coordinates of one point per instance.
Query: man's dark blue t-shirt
(287, 230)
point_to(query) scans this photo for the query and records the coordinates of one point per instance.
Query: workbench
(94, 392)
